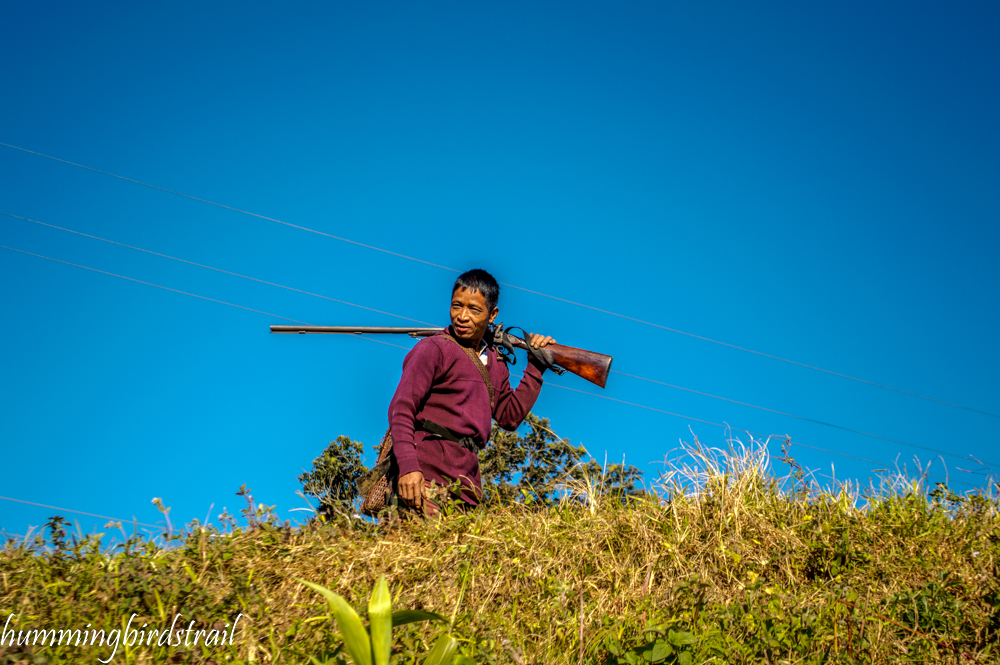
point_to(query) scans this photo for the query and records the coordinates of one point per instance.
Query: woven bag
(375, 488)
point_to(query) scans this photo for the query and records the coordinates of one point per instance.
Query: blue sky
(817, 183)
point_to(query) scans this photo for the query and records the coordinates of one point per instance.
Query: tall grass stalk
(720, 560)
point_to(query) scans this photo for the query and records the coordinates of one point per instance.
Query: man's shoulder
(439, 340)
(435, 346)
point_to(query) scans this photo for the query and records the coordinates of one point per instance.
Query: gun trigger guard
(506, 356)
(505, 350)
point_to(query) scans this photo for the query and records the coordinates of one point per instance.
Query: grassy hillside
(724, 564)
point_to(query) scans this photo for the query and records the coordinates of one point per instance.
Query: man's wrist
(407, 465)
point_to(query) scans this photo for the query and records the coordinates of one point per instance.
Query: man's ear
(493, 314)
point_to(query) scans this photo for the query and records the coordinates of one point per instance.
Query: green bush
(725, 563)
(334, 476)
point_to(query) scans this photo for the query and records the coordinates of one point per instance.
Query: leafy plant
(373, 646)
(671, 647)
(256, 514)
(335, 474)
(758, 570)
(536, 463)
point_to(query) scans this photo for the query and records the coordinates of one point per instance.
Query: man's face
(469, 315)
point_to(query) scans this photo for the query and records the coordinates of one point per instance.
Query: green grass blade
(380, 622)
(404, 617)
(461, 594)
(443, 651)
(354, 633)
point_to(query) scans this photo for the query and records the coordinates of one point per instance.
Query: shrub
(334, 476)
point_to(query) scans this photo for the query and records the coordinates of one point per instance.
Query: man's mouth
(463, 330)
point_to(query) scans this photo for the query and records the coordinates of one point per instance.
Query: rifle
(593, 367)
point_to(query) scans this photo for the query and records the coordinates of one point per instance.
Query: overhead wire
(726, 426)
(158, 286)
(513, 286)
(207, 267)
(185, 293)
(80, 512)
(804, 418)
(257, 311)
(239, 210)
(634, 376)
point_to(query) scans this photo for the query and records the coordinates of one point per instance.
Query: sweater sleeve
(513, 405)
(419, 369)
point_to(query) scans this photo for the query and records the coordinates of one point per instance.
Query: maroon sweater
(441, 383)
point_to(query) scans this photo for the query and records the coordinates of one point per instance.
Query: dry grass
(753, 567)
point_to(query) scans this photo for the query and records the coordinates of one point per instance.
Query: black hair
(482, 281)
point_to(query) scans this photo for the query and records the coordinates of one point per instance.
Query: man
(441, 413)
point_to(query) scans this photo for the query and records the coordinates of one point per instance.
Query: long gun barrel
(593, 367)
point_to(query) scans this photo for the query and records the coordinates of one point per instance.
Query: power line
(725, 426)
(184, 293)
(257, 311)
(207, 267)
(699, 420)
(80, 512)
(139, 281)
(245, 212)
(783, 413)
(513, 286)
(634, 376)
(810, 420)
(759, 353)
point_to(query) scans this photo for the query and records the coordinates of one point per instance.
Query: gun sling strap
(505, 348)
(374, 487)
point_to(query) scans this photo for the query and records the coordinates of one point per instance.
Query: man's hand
(411, 488)
(538, 341)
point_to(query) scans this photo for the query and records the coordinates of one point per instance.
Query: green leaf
(463, 660)
(661, 650)
(355, 636)
(684, 658)
(679, 639)
(404, 617)
(380, 622)
(328, 657)
(443, 651)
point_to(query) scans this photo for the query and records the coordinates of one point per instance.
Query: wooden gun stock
(593, 367)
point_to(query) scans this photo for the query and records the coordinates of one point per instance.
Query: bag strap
(466, 442)
(483, 372)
